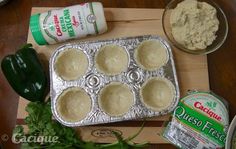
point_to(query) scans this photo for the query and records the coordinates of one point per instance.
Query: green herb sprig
(40, 123)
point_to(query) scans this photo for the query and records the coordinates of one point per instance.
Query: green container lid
(36, 30)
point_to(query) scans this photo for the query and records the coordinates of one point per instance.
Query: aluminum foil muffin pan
(93, 84)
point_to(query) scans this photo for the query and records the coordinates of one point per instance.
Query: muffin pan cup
(93, 81)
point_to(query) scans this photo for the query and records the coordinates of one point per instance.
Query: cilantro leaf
(40, 123)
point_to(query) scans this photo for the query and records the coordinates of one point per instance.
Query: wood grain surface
(13, 33)
(126, 22)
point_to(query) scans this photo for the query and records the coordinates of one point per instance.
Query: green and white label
(71, 22)
(199, 121)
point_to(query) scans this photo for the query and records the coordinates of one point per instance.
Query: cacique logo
(208, 111)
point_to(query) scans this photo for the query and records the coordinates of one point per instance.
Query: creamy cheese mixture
(194, 24)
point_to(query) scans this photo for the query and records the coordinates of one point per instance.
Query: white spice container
(68, 23)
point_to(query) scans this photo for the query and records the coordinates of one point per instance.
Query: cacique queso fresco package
(200, 121)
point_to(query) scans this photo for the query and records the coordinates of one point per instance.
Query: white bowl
(230, 134)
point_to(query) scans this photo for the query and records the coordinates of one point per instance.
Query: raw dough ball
(71, 64)
(157, 93)
(73, 104)
(112, 60)
(194, 24)
(151, 55)
(116, 99)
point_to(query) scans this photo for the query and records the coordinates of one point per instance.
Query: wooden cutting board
(192, 71)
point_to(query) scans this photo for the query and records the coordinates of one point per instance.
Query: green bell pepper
(25, 74)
